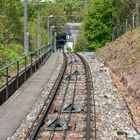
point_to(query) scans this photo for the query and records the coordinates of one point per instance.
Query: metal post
(55, 41)
(113, 33)
(48, 27)
(133, 21)
(39, 60)
(40, 56)
(7, 83)
(17, 74)
(126, 25)
(26, 40)
(35, 60)
(51, 37)
(137, 12)
(31, 65)
(38, 24)
(25, 68)
(123, 30)
(73, 44)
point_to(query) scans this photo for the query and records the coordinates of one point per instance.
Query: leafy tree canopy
(98, 23)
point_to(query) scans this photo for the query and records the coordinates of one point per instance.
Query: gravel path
(114, 120)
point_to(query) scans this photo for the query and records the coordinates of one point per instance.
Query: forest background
(99, 17)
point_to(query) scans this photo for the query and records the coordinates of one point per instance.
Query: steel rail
(89, 93)
(53, 93)
(69, 117)
(62, 104)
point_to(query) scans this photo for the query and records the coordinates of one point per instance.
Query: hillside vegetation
(100, 17)
(12, 27)
(123, 58)
(12, 24)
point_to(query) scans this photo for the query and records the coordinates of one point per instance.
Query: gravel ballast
(113, 117)
(114, 120)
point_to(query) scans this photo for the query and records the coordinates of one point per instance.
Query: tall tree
(123, 9)
(99, 23)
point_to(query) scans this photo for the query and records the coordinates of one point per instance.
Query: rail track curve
(69, 112)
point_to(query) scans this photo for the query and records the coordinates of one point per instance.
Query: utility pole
(137, 12)
(55, 34)
(133, 21)
(26, 33)
(48, 27)
(51, 37)
(38, 24)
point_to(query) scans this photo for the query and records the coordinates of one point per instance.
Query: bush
(11, 53)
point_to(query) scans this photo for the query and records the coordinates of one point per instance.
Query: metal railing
(15, 74)
(129, 24)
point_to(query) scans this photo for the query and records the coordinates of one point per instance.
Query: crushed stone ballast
(71, 114)
(114, 120)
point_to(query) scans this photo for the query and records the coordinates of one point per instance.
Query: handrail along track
(15, 74)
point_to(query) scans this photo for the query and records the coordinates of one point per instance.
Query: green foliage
(132, 60)
(11, 31)
(69, 49)
(73, 8)
(10, 53)
(98, 23)
(59, 18)
(123, 9)
(11, 20)
(12, 26)
(81, 43)
(101, 16)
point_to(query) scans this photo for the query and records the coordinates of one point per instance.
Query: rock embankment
(114, 120)
(123, 58)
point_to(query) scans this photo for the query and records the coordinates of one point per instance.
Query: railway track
(69, 112)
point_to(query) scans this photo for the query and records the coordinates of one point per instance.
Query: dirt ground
(123, 59)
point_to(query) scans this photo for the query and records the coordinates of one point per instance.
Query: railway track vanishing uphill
(70, 110)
